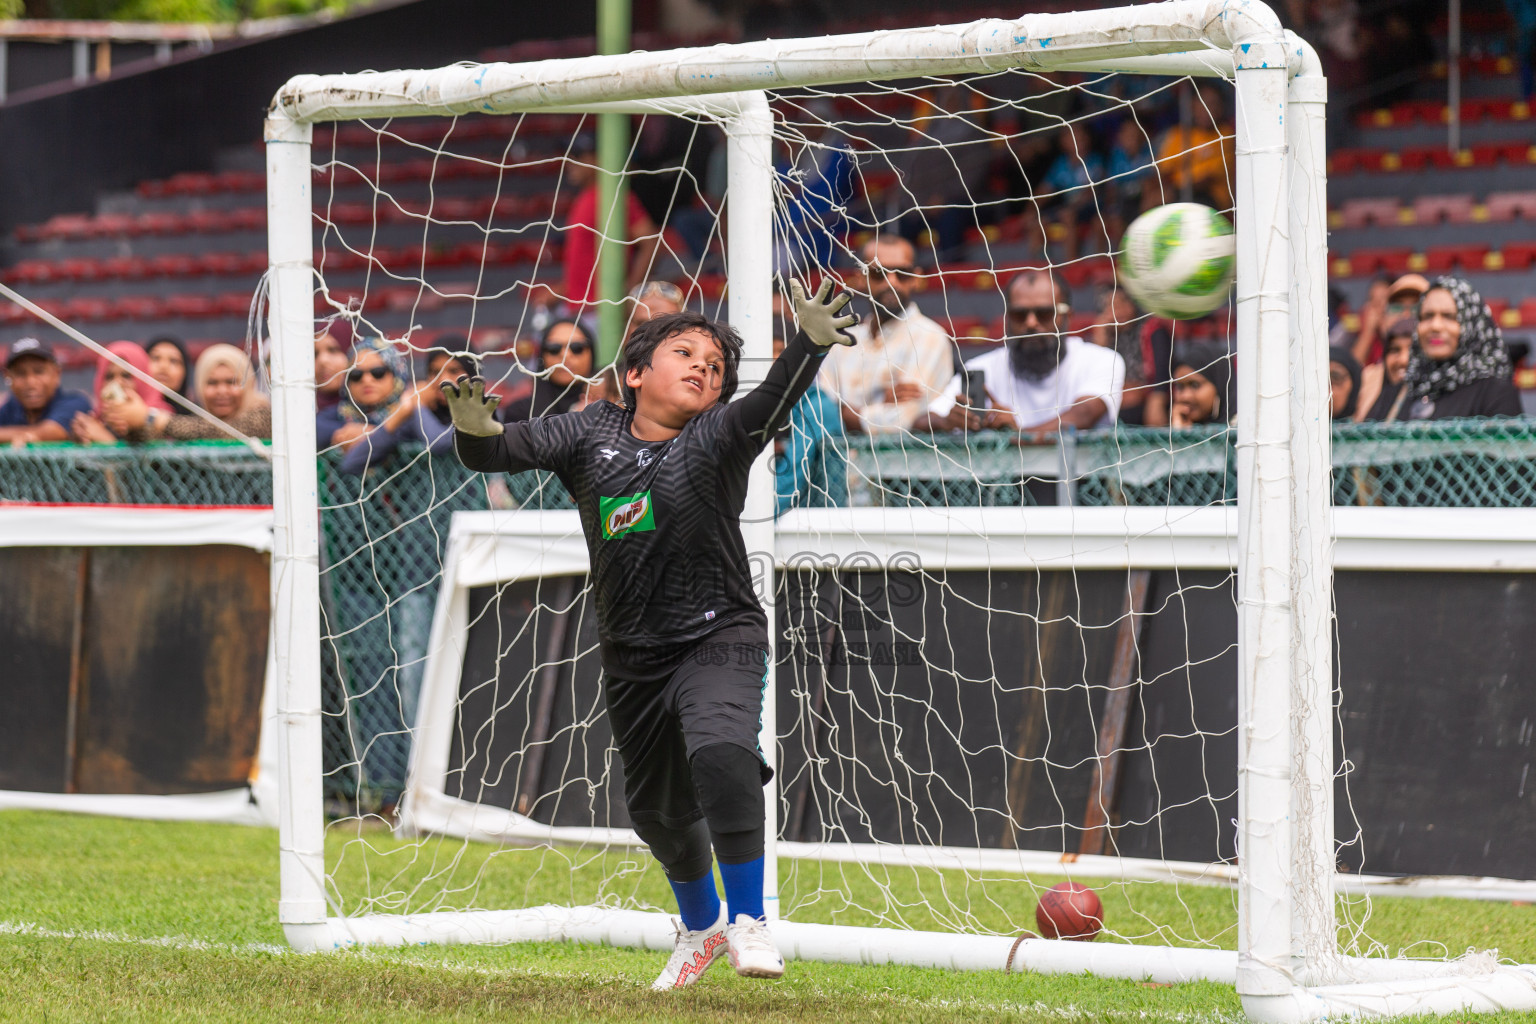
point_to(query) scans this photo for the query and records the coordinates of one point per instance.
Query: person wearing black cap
(37, 409)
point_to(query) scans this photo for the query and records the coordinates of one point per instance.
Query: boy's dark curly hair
(646, 338)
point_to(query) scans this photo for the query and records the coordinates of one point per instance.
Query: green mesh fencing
(383, 536)
(383, 533)
(195, 473)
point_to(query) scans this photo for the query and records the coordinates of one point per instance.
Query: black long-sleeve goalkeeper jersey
(662, 518)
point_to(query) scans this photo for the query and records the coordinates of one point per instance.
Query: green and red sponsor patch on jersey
(630, 514)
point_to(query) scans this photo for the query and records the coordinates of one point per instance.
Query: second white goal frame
(1287, 966)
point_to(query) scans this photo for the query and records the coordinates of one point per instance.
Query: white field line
(1060, 1011)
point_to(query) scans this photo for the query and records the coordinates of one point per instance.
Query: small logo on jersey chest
(632, 514)
(608, 453)
(644, 456)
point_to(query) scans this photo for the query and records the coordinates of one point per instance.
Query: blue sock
(697, 902)
(744, 888)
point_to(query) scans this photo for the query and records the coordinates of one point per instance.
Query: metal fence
(384, 533)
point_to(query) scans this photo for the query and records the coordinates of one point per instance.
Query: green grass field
(110, 920)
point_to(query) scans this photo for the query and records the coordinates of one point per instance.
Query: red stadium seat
(241, 181)
(1528, 312)
(112, 225)
(247, 218)
(125, 267)
(209, 222)
(87, 308)
(1369, 261)
(1440, 259)
(175, 264)
(1518, 255)
(33, 272)
(233, 304)
(160, 224)
(66, 226)
(191, 306)
(193, 183)
(79, 270)
(138, 307)
(224, 262)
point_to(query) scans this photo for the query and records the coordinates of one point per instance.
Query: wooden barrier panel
(133, 670)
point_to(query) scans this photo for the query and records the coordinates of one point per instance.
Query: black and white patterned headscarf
(1479, 355)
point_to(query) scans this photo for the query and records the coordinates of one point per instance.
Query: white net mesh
(964, 717)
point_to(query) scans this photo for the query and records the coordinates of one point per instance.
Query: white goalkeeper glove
(819, 317)
(473, 411)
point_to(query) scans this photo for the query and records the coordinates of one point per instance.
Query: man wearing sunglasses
(902, 360)
(1041, 379)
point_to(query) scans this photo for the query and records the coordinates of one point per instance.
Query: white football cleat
(692, 955)
(754, 954)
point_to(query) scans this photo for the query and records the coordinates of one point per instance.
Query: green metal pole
(613, 24)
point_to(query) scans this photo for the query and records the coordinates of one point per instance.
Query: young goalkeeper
(660, 485)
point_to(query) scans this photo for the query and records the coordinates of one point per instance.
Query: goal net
(1000, 659)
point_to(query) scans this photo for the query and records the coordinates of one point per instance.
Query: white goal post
(1287, 965)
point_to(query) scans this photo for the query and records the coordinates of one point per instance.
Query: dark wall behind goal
(966, 709)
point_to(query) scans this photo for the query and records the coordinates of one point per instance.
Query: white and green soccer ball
(1176, 260)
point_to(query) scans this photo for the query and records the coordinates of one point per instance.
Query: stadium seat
(1357, 213)
(224, 262)
(160, 224)
(192, 183)
(1518, 255)
(1508, 205)
(233, 304)
(191, 306)
(111, 225)
(138, 307)
(1528, 312)
(125, 267)
(240, 181)
(1452, 209)
(1392, 261)
(175, 264)
(65, 226)
(79, 269)
(87, 308)
(247, 218)
(211, 222)
(1440, 259)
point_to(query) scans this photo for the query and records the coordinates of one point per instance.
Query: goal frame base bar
(1370, 986)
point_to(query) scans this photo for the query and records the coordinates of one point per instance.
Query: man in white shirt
(1040, 380)
(902, 361)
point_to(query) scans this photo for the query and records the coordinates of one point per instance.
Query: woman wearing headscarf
(222, 383)
(112, 391)
(333, 355)
(1343, 383)
(1459, 366)
(382, 409)
(1381, 388)
(169, 363)
(566, 354)
(1203, 391)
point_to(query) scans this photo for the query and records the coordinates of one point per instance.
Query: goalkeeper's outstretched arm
(486, 445)
(824, 322)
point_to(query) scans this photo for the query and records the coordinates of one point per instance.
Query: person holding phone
(1041, 379)
(902, 360)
